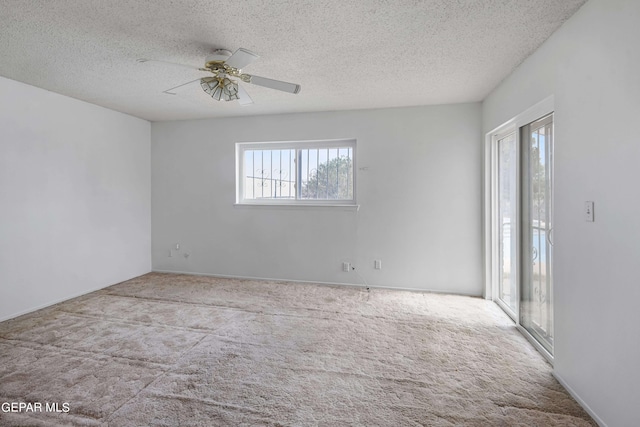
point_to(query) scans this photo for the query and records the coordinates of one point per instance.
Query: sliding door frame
(491, 244)
(527, 218)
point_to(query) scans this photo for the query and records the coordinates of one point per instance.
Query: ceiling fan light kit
(220, 88)
(222, 64)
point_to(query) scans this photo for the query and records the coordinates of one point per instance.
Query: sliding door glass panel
(536, 299)
(507, 221)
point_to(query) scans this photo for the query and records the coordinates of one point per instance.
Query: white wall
(74, 198)
(420, 200)
(592, 67)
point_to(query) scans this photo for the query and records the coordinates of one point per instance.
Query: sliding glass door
(536, 300)
(522, 218)
(508, 273)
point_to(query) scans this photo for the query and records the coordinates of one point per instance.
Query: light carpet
(179, 350)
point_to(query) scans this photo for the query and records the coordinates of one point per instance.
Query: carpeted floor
(177, 350)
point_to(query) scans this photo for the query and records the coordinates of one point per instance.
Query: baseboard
(315, 282)
(578, 399)
(49, 304)
(66, 298)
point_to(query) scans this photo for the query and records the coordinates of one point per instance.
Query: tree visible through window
(328, 175)
(297, 172)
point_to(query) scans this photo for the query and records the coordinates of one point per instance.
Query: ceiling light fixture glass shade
(220, 88)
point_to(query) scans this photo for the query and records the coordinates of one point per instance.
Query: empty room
(281, 213)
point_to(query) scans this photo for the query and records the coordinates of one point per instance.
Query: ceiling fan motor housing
(217, 58)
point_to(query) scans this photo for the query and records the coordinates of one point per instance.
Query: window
(300, 173)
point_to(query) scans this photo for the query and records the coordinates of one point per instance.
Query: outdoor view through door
(523, 224)
(536, 299)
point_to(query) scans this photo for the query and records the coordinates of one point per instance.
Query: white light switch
(588, 212)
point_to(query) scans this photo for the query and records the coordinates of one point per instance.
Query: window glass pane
(327, 173)
(269, 174)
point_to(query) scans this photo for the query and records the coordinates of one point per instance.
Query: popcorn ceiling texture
(178, 350)
(345, 54)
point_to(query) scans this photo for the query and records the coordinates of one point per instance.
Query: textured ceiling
(346, 55)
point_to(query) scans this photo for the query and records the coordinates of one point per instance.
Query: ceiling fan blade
(168, 91)
(241, 58)
(243, 97)
(142, 60)
(274, 84)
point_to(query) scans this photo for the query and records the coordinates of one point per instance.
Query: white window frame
(241, 147)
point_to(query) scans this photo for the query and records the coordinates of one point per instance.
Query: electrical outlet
(377, 264)
(346, 267)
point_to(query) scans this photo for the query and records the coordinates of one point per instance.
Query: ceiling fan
(225, 66)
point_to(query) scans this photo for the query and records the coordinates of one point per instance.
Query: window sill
(297, 206)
